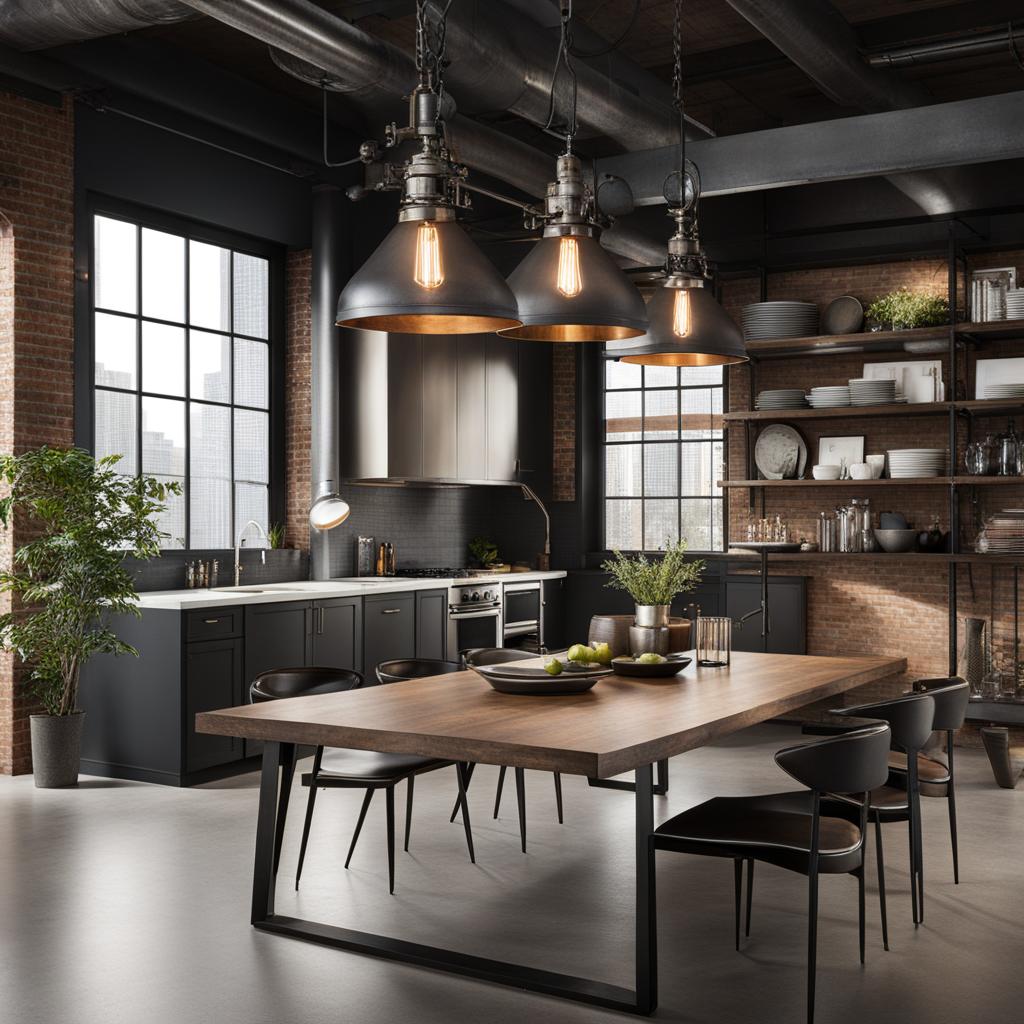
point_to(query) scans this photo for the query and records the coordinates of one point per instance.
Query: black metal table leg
(660, 788)
(641, 1000)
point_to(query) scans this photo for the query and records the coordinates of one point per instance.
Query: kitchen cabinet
(277, 636)
(213, 679)
(553, 617)
(431, 623)
(389, 630)
(337, 631)
(787, 611)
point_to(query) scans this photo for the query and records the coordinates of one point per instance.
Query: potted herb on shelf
(904, 309)
(654, 584)
(83, 518)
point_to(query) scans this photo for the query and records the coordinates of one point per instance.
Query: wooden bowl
(612, 630)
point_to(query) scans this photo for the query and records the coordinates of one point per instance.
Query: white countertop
(269, 593)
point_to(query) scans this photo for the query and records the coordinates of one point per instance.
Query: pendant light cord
(563, 60)
(431, 48)
(677, 92)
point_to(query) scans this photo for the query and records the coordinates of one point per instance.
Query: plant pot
(649, 640)
(652, 615)
(56, 748)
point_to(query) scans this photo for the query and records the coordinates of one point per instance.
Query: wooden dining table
(621, 725)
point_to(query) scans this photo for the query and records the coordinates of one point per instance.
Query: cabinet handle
(391, 611)
(320, 621)
(211, 622)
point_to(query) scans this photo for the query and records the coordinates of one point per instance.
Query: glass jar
(978, 458)
(714, 641)
(1008, 452)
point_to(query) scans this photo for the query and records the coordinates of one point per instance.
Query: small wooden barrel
(612, 630)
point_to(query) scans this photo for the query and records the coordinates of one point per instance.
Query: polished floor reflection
(123, 902)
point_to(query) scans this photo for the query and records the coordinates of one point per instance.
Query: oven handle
(485, 613)
(521, 588)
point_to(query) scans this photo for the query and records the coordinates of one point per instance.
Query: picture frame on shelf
(843, 452)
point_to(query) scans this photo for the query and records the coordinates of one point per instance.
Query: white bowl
(860, 471)
(825, 472)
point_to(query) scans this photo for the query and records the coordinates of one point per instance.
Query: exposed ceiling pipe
(818, 39)
(972, 45)
(39, 24)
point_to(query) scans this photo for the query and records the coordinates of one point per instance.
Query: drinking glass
(714, 640)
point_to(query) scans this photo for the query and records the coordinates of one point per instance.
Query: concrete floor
(123, 902)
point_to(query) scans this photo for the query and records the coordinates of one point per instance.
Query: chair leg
(462, 774)
(408, 808)
(881, 881)
(521, 801)
(497, 795)
(750, 893)
(389, 799)
(305, 833)
(359, 824)
(912, 837)
(918, 844)
(812, 937)
(952, 833)
(558, 796)
(737, 876)
(861, 907)
(469, 775)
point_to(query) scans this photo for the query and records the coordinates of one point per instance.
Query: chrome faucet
(239, 542)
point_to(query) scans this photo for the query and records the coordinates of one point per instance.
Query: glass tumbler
(714, 640)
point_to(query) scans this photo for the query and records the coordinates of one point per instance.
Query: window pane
(661, 469)
(172, 520)
(114, 344)
(701, 412)
(114, 265)
(623, 528)
(717, 533)
(622, 375)
(209, 286)
(661, 524)
(210, 466)
(717, 466)
(696, 516)
(700, 376)
(622, 415)
(252, 454)
(252, 501)
(252, 374)
(163, 436)
(163, 275)
(702, 469)
(116, 429)
(660, 377)
(622, 472)
(163, 359)
(252, 289)
(661, 415)
(209, 366)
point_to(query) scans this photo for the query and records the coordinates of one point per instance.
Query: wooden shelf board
(862, 341)
(994, 330)
(990, 406)
(911, 481)
(936, 557)
(845, 412)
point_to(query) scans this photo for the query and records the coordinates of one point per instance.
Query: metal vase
(56, 748)
(651, 615)
(649, 640)
(973, 661)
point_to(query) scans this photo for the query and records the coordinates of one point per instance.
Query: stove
(430, 573)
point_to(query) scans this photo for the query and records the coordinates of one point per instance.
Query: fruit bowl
(672, 665)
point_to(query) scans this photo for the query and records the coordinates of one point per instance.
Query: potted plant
(486, 553)
(83, 517)
(904, 309)
(653, 584)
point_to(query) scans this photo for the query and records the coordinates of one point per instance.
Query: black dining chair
(502, 656)
(935, 770)
(790, 830)
(337, 768)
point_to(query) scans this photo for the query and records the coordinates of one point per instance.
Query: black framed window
(664, 453)
(182, 336)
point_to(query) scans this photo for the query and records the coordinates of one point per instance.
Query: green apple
(580, 653)
(650, 658)
(553, 667)
(602, 654)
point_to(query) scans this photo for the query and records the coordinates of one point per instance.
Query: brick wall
(563, 422)
(298, 339)
(36, 324)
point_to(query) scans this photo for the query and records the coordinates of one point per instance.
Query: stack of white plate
(1005, 391)
(782, 398)
(779, 320)
(1015, 304)
(829, 397)
(872, 392)
(909, 462)
(1005, 532)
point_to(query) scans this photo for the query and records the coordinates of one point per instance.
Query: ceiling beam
(953, 134)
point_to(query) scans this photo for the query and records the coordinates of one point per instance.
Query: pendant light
(428, 276)
(687, 326)
(568, 288)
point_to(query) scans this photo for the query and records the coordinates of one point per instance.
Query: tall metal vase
(973, 660)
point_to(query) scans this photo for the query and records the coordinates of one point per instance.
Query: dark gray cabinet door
(213, 679)
(431, 623)
(338, 633)
(786, 612)
(502, 409)
(553, 623)
(389, 630)
(471, 406)
(276, 636)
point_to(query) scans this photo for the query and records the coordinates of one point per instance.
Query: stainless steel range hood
(428, 410)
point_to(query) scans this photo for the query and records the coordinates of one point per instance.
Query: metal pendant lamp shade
(687, 328)
(328, 511)
(569, 289)
(427, 277)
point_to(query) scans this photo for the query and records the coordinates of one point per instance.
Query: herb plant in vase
(653, 584)
(83, 518)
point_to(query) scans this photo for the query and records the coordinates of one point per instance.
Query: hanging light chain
(678, 103)
(563, 59)
(431, 45)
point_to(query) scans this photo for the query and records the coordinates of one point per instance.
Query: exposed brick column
(563, 422)
(297, 399)
(36, 325)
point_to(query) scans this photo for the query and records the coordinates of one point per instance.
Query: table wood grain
(619, 724)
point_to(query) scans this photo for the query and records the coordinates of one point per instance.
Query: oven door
(470, 629)
(522, 608)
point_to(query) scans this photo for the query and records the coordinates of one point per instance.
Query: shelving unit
(908, 481)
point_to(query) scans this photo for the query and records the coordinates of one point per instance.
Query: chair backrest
(951, 695)
(493, 656)
(853, 762)
(281, 683)
(414, 668)
(910, 717)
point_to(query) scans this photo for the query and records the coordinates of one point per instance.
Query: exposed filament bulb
(570, 282)
(428, 272)
(681, 313)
